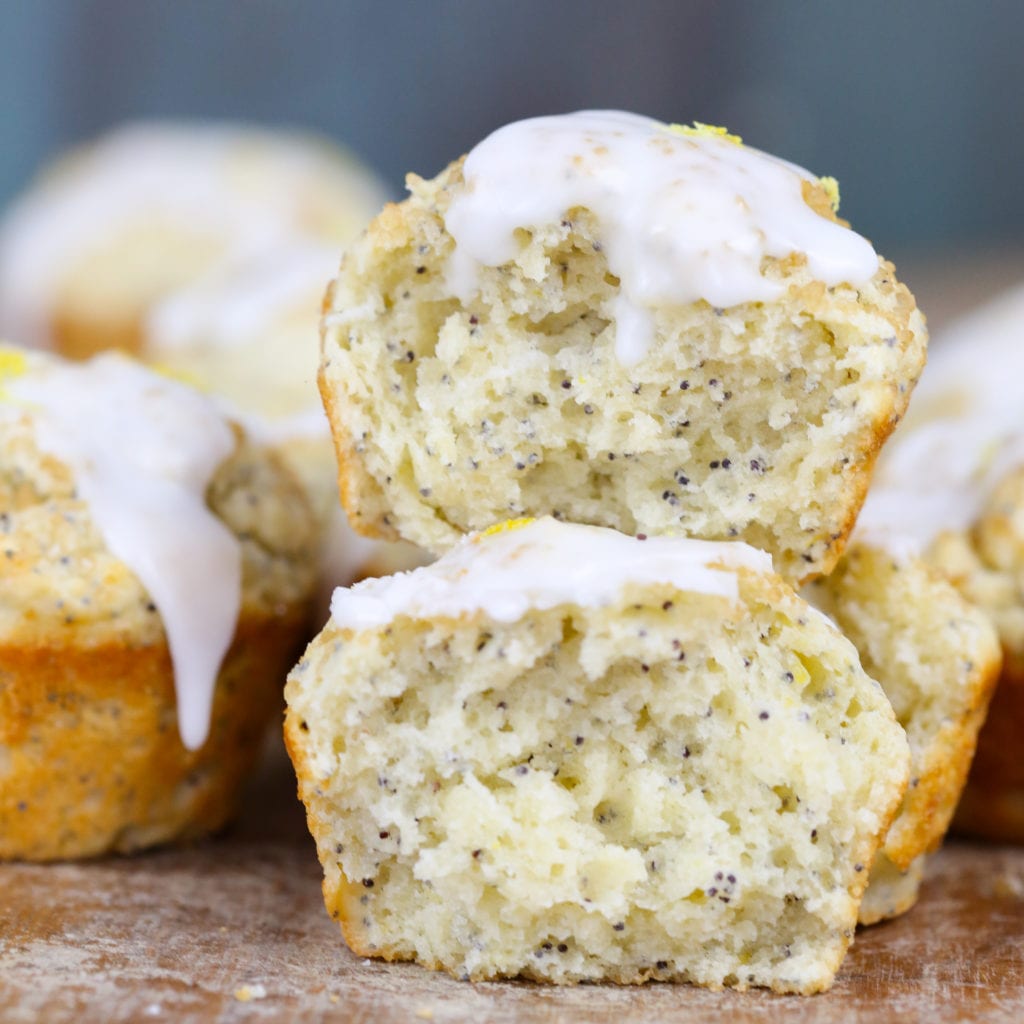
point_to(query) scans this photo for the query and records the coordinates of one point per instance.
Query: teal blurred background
(917, 107)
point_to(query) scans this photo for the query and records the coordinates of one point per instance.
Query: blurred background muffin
(95, 244)
(951, 486)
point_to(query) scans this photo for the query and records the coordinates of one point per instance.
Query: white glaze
(143, 450)
(263, 316)
(308, 425)
(244, 188)
(233, 307)
(541, 565)
(273, 299)
(683, 217)
(964, 433)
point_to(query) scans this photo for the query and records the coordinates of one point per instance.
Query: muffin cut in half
(155, 578)
(617, 322)
(937, 657)
(567, 754)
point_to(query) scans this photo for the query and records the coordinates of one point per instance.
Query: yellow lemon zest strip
(831, 187)
(182, 376)
(706, 130)
(13, 364)
(508, 524)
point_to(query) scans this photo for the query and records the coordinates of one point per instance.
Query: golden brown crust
(76, 335)
(992, 805)
(340, 895)
(941, 695)
(817, 199)
(92, 761)
(985, 563)
(354, 483)
(347, 462)
(940, 779)
(869, 443)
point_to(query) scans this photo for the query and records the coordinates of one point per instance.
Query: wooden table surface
(234, 929)
(187, 935)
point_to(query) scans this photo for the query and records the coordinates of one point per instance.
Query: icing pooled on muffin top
(685, 214)
(142, 450)
(540, 564)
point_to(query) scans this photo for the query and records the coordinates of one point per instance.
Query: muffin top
(131, 509)
(644, 180)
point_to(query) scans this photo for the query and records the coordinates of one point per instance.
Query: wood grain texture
(174, 935)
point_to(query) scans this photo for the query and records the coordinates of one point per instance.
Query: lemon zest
(800, 674)
(831, 187)
(181, 376)
(13, 364)
(701, 130)
(505, 527)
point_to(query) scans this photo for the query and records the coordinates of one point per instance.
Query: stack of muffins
(589, 745)
(654, 713)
